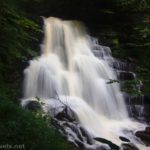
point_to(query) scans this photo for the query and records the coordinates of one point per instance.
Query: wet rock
(88, 137)
(132, 60)
(147, 129)
(123, 65)
(124, 139)
(103, 147)
(144, 136)
(123, 75)
(75, 133)
(128, 146)
(147, 99)
(33, 106)
(137, 112)
(112, 145)
(80, 144)
(76, 129)
(136, 107)
(127, 96)
(97, 147)
(66, 114)
(98, 53)
(147, 113)
(60, 111)
(133, 99)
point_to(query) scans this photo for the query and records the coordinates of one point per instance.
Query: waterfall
(68, 69)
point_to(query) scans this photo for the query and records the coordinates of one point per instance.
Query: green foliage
(142, 71)
(18, 36)
(144, 75)
(115, 42)
(16, 32)
(19, 126)
(131, 87)
(41, 113)
(112, 81)
(133, 5)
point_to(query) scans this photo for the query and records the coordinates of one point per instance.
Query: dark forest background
(124, 25)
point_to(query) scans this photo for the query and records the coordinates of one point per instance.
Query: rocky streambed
(66, 121)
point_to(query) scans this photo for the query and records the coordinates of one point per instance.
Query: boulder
(33, 106)
(66, 114)
(128, 146)
(112, 145)
(147, 113)
(124, 75)
(124, 139)
(144, 136)
(86, 134)
(147, 99)
(123, 65)
(147, 129)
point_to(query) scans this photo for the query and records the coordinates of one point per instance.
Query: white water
(68, 68)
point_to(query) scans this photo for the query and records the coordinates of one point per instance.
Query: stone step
(98, 53)
(124, 75)
(138, 107)
(135, 99)
(123, 65)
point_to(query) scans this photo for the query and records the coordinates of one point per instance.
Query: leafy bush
(21, 127)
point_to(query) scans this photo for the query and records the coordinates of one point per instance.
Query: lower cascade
(69, 74)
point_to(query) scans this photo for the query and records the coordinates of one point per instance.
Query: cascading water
(69, 70)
